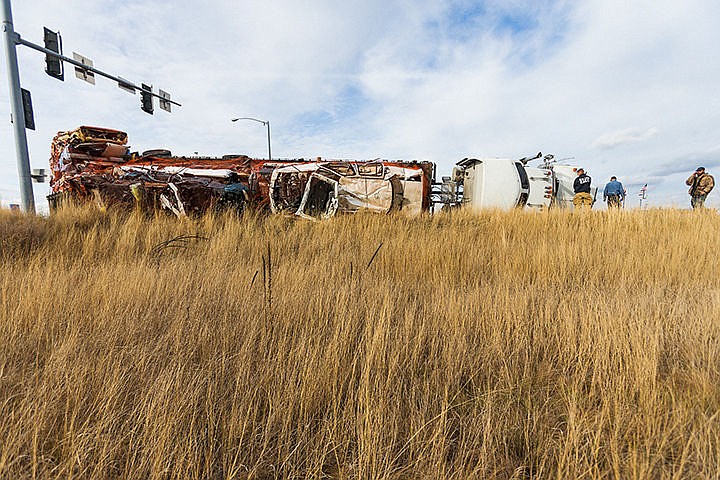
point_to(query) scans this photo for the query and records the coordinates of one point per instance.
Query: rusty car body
(91, 164)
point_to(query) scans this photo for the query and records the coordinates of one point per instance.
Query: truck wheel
(158, 152)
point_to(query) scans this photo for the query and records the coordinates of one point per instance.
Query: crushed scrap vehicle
(323, 189)
(91, 164)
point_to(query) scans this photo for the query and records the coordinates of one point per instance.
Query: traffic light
(27, 109)
(54, 66)
(146, 99)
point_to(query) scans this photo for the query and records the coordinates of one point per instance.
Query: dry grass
(502, 345)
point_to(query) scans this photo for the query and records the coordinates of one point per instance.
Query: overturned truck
(504, 183)
(91, 164)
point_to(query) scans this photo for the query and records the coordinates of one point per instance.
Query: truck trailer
(91, 164)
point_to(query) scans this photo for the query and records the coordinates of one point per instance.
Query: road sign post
(16, 107)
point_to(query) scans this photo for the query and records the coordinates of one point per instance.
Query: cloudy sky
(626, 88)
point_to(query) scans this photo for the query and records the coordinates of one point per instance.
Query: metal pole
(268, 132)
(264, 122)
(17, 112)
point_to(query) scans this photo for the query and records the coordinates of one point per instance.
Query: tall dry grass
(501, 345)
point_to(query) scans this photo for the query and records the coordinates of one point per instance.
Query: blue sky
(624, 88)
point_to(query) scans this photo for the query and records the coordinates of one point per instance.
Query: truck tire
(158, 152)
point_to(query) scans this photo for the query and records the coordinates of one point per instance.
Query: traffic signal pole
(10, 40)
(121, 81)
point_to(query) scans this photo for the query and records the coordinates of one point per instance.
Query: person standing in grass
(581, 186)
(614, 193)
(701, 183)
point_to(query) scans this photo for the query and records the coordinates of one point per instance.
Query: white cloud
(394, 79)
(624, 137)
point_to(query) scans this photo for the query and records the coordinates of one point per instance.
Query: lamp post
(264, 122)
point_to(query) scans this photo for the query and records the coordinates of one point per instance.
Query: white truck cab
(503, 183)
(542, 186)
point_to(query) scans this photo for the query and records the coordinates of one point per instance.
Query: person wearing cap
(581, 186)
(701, 183)
(614, 193)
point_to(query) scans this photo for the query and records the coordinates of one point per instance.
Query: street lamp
(264, 122)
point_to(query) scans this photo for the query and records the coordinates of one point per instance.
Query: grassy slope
(489, 346)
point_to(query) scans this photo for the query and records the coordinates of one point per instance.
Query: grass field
(500, 345)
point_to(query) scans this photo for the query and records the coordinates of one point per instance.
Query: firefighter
(700, 183)
(581, 186)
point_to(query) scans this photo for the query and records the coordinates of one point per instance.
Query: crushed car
(323, 189)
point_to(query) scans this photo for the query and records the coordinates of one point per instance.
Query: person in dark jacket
(614, 193)
(234, 194)
(581, 186)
